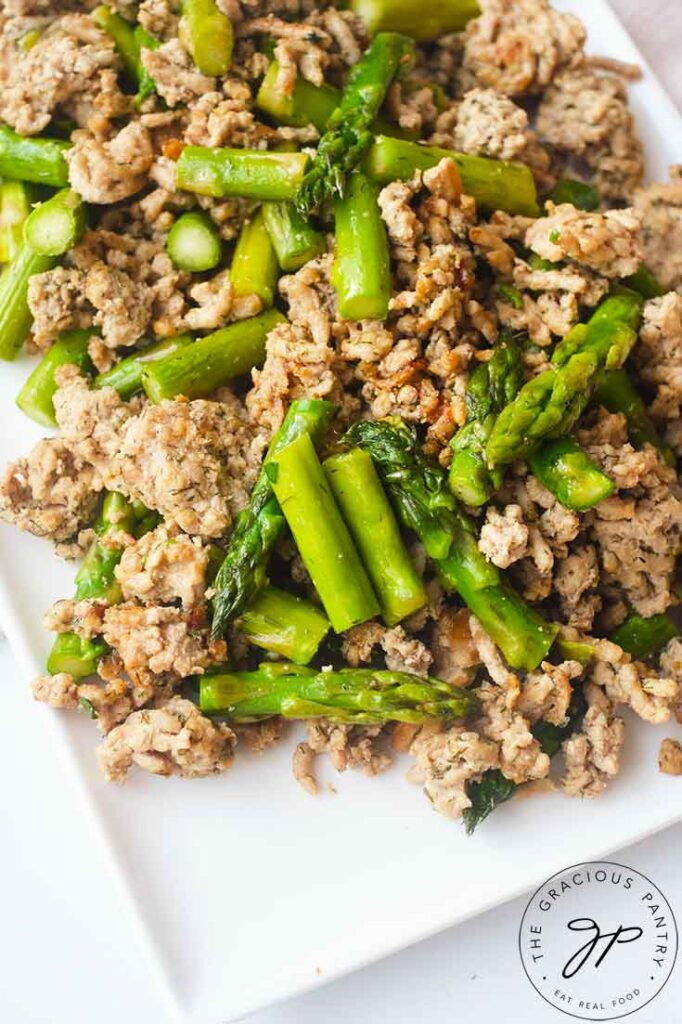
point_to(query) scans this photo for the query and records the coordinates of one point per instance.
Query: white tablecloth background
(66, 956)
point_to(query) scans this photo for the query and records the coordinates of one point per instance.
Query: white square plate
(244, 889)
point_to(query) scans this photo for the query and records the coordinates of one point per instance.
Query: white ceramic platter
(243, 889)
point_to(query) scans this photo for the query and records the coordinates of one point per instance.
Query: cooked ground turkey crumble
(516, 84)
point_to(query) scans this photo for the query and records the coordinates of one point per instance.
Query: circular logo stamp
(598, 940)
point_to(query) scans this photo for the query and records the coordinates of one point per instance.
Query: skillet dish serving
(362, 339)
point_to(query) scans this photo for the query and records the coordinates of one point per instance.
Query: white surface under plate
(245, 890)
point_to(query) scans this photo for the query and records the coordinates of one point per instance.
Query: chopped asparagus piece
(33, 158)
(209, 36)
(294, 239)
(35, 398)
(361, 696)
(260, 525)
(126, 376)
(373, 526)
(567, 471)
(321, 536)
(55, 226)
(494, 184)
(362, 268)
(424, 21)
(284, 624)
(198, 370)
(254, 269)
(578, 193)
(15, 205)
(616, 392)
(240, 172)
(642, 637)
(15, 316)
(194, 243)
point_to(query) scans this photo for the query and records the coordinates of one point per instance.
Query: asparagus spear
(550, 405)
(252, 174)
(260, 525)
(129, 40)
(310, 104)
(126, 376)
(36, 159)
(373, 526)
(294, 239)
(644, 282)
(200, 369)
(305, 104)
(254, 269)
(209, 36)
(347, 135)
(284, 624)
(578, 193)
(424, 504)
(642, 637)
(492, 386)
(362, 269)
(194, 242)
(35, 398)
(494, 184)
(616, 392)
(95, 579)
(494, 789)
(425, 21)
(356, 696)
(15, 316)
(567, 471)
(55, 226)
(321, 536)
(51, 229)
(15, 206)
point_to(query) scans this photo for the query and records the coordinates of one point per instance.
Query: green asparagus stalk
(644, 282)
(491, 386)
(129, 40)
(370, 519)
(260, 525)
(642, 637)
(35, 159)
(425, 505)
(567, 471)
(208, 33)
(305, 104)
(550, 405)
(494, 788)
(252, 174)
(95, 579)
(494, 184)
(578, 193)
(15, 205)
(56, 225)
(347, 135)
(294, 239)
(15, 316)
(362, 269)
(198, 370)
(490, 792)
(425, 21)
(126, 376)
(616, 392)
(285, 625)
(321, 536)
(194, 243)
(35, 398)
(254, 269)
(355, 696)
(310, 104)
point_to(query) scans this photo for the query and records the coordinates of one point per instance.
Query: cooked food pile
(359, 350)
